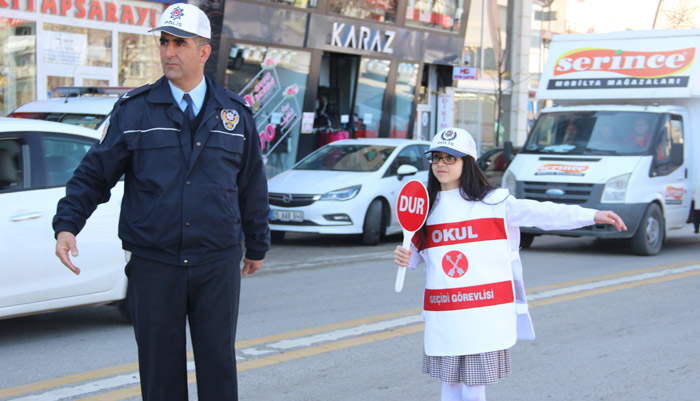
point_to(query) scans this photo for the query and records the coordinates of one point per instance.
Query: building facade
(50, 43)
(316, 71)
(313, 70)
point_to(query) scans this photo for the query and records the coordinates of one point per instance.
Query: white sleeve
(416, 258)
(547, 215)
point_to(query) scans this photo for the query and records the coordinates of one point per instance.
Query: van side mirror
(677, 154)
(508, 151)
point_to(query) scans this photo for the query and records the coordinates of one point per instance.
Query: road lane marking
(360, 332)
(65, 380)
(349, 332)
(534, 296)
(113, 370)
(295, 265)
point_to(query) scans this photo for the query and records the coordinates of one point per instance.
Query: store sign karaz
(91, 10)
(362, 38)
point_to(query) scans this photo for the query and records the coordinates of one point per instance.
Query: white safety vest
(469, 302)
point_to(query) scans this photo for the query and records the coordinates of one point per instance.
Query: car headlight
(509, 182)
(615, 189)
(342, 194)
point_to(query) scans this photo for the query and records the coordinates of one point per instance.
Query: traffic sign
(412, 210)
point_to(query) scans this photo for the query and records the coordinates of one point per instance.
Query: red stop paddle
(412, 210)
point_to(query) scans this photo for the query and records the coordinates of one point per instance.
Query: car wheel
(651, 232)
(277, 236)
(526, 240)
(372, 229)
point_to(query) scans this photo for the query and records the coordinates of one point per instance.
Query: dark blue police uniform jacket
(185, 201)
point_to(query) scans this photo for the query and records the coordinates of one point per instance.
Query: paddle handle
(401, 272)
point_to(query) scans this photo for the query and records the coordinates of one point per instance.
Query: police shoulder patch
(105, 128)
(230, 118)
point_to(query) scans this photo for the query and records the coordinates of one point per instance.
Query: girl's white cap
(185, 21)
(454, 142)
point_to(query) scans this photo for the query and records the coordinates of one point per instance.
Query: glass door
(335, 95)
(369, 101)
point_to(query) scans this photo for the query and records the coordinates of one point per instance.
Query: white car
(347, 187)
(36, 160)
(84, 106)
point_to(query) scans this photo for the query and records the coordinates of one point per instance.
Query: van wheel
(526, 240)
(372, 228)
(651, 232)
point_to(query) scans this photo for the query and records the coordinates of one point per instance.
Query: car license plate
(283, 215)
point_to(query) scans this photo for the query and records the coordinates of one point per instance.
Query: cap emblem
(448, 135)
(177, 13)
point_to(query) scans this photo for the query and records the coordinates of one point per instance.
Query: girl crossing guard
(474, 316)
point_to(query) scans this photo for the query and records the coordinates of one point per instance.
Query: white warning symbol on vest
(455, 264)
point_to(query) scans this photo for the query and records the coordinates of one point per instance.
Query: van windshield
(594, 133)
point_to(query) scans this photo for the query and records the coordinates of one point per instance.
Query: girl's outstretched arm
(608, 217)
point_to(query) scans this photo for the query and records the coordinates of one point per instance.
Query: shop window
(376, 10)
(476, 112)
(295, 3)
(444, 15)
(407, 75)
(17, 63)
(369, 100)
(487, 43)
(139, 60)
(77, 46)
(273, 81)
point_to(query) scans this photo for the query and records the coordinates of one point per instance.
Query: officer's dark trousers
(162, 296)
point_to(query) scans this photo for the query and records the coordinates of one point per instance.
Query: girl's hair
(473, 186)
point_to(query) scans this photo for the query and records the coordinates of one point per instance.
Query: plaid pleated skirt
(472, 370)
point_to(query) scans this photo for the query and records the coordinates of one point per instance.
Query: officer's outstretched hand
(608, 217)
(65, 242)
(251, 266)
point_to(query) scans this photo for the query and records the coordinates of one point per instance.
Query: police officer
(194, 187)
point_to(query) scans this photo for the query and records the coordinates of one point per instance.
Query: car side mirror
(405, 170)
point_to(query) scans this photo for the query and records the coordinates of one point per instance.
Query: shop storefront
(317, 71)
(50, 43)
(313, 70)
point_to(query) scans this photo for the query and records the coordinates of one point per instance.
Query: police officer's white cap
(454, 142)
(185, 21)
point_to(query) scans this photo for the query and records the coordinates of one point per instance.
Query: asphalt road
(321, 321)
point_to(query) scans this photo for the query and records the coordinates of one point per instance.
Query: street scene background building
(321, 70)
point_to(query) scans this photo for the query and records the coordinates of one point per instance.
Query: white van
(623, 133)
(78, 105)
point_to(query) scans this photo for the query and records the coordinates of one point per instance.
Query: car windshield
(84, 120)
(593, 133)
(347, 158)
